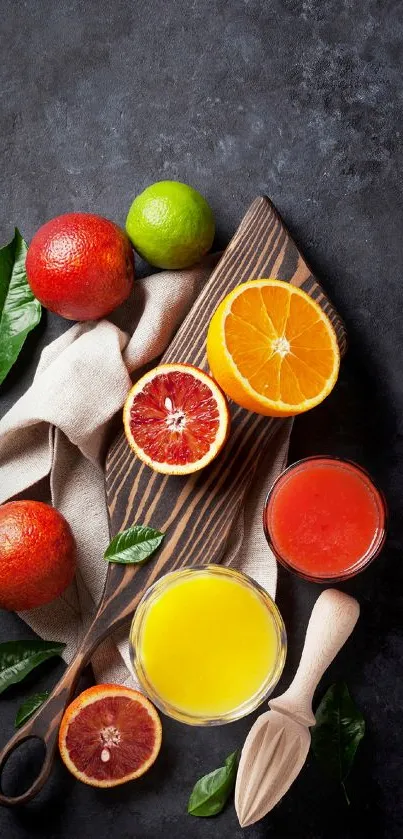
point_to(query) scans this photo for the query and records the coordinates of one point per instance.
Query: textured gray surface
(303, 101)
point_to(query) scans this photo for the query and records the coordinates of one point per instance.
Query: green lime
(170, 225)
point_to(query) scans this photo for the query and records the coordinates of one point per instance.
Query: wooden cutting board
(196, 512)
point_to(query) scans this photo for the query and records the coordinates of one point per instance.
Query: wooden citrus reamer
(195, 512)
(277, 745)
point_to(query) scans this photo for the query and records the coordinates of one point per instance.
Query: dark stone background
(302, 101)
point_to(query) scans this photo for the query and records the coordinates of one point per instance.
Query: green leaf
(134, 545)
(211, 792)
(338, 732)
(18, 658)
(20, 311)
(28, 708)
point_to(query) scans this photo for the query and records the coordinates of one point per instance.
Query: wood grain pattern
(195, 512)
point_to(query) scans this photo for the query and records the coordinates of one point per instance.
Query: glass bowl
(180, 713)
(379, 504)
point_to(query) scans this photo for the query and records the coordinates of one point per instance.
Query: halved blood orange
(176, 419)
(109, 735)
(272, 349)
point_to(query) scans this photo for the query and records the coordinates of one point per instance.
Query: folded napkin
(52, 448)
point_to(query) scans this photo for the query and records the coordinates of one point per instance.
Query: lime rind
(171, 225)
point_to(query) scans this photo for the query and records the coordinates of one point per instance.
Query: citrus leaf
(211, 793)
(28, 708)
(18, 658)
(20, 311)
(338, 732)
(134, 545)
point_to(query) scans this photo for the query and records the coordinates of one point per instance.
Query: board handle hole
(22, 766)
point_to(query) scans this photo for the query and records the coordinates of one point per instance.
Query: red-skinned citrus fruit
(109, 735)
(37, 554)
(176, 419)
(80, 266)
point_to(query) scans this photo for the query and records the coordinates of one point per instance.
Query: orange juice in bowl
(208, 644)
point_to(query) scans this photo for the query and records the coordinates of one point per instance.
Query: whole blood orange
(80, 266)
(37, 554)
(176, 419)
(272, 349)
(109, 735)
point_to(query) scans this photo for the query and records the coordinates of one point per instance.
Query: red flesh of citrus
(176, 419)
(109, 735)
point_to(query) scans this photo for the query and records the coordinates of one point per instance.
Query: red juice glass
(325, 519)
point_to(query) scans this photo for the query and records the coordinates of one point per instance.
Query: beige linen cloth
(52, 449)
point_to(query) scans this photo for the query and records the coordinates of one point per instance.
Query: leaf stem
(348, 802)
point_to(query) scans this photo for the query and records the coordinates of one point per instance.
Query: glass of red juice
(325, 519)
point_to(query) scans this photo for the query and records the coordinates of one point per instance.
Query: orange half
(109, 735)
(272, 349)
(176, 419)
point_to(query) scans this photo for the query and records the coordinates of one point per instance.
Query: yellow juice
(209, 641)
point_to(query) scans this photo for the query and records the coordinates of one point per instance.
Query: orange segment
(321, 361)
(277, 303)
(315, 336)
(247, 346)
(290, 386)
(252, 309)
(302, 316)
(310, 381)
(272, 348)
(266, 380)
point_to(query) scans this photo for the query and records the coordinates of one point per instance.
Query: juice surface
(324, 516)
(208, 644)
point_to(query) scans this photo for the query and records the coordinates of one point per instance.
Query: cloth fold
(52, 448)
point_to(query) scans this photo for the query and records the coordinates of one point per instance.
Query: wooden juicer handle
(333, 619)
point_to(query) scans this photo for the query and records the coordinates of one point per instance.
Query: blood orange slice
(109, 735)
(176, 419)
